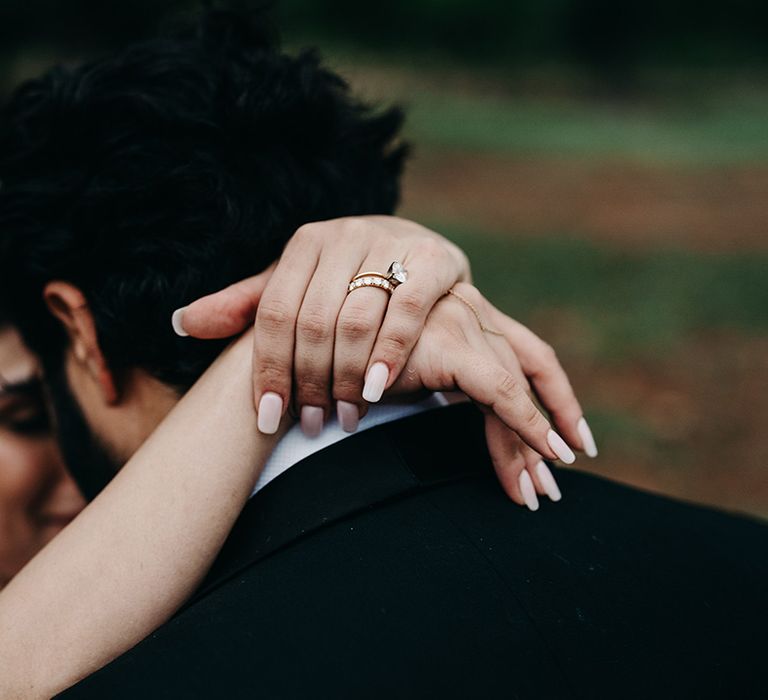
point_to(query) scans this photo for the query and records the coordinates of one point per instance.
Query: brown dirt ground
(631, 205)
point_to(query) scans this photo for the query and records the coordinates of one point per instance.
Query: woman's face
(37, 496)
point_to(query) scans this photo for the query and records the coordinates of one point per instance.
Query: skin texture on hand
(313, 329)
(349, 349)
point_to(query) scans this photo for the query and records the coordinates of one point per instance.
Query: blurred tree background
(605, 165)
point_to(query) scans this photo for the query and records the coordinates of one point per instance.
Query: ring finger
(357, 326)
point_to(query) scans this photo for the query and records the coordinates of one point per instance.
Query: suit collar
(295, 446)
(382, 463)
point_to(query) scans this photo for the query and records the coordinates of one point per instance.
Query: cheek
(25, 466)
(26, 472)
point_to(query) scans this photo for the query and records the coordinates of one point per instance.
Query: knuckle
(346, 389)
(548, 354)
(352, 226)
(308, 231)
(271, 372)
(312, 391)
(273, 315)
(315, 326)
(509, 388)
(409, 302)
(355, 325)
(431, 248)
(531, 418)
(396, 342)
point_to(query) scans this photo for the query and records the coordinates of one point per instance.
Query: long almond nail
(349, 416)
(270, 411)
(563, 452)
(528, 490)
(177, 321)
(590, 448)
(311, 420)
(548, 482)
(375, 382)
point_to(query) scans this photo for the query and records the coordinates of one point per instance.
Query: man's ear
(68, 304)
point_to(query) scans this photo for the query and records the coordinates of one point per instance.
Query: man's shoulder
(394, 561)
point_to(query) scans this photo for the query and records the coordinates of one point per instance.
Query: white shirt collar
(295, 446)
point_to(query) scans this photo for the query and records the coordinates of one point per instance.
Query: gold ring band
(369, 274)
(394, 277)
(371, 281)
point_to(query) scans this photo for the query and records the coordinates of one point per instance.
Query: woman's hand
(316, 342)
(365, 329)
(470, 346)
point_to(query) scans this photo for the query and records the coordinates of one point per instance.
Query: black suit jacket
(391, 565)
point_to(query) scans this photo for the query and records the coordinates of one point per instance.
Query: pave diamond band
(395, 276)
(371, 280)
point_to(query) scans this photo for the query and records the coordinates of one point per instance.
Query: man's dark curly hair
(170, 170)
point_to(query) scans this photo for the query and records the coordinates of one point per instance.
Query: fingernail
(563, 452)
(528, 491)
(587, 439)
(375, 382)
(548, 482)
(177, 321)
(311, 420)
(349, 416)
(270, 411)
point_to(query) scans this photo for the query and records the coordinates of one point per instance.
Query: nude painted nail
(270, 411)
(349, 416)
(177, 321)
(563, 452)
(590, 448)
(375, 382)
(311, 420)
(528, 491)
(544, 476)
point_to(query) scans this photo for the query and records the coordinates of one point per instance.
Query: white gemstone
(398, 272)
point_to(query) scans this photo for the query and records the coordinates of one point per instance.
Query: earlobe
(69, 305)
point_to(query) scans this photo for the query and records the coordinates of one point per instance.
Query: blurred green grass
(724, 130)
(627, 303)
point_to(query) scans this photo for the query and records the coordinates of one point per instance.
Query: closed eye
(23, 409)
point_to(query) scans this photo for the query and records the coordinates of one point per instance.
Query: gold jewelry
(473, 309)
(371, 281)
(395, 276)
(369, 274)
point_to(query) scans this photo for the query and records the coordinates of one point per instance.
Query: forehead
(17, 363)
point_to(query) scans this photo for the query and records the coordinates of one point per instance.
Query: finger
(316, 333)
(486, 381)
(224, 313)
(358, 323)
(544, 479)
(541, 479)
(275, 328)
(432, 271)
(505, 448)
(549, 380)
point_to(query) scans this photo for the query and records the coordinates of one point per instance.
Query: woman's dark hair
(171, 169)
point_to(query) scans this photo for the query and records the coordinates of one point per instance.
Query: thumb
(224, 313)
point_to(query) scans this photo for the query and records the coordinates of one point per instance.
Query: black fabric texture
(391, 565)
